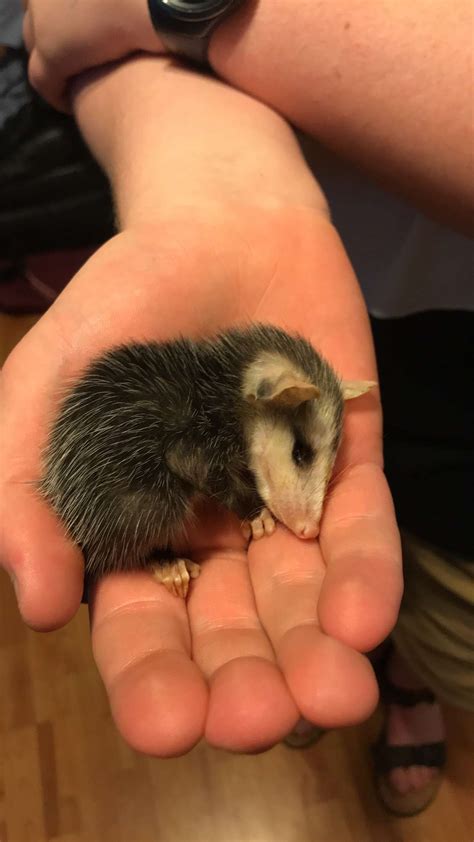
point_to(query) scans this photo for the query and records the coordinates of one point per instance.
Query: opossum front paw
(175, 575)
(263, 524)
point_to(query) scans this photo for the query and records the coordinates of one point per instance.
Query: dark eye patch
(302, 454)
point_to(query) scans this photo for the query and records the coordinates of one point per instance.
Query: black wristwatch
(185, 26)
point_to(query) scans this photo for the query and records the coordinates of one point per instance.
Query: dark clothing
(426, 371)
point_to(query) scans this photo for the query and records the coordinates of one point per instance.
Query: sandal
(388, 757)
(303, 735)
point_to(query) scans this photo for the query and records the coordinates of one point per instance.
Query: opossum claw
(175, 575)
(263, 524)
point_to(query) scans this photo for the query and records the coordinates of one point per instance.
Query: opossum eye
(302, 453)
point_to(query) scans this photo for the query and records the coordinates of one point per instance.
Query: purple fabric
(32, 285)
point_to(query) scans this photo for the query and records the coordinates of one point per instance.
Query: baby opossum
(251, 418)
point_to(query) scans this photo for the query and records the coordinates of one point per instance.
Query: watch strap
(188, 38)
(189, 47)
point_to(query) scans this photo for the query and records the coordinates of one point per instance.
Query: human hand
(64, 39)
(266, 635)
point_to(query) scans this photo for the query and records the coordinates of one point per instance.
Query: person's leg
(416, 725)
(432, 658)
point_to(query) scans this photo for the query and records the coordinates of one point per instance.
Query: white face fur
(293, 490)
(292, 439)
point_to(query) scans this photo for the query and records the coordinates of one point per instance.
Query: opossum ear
(188, 462)
(286, 390)
(272, 379)
(354, 388)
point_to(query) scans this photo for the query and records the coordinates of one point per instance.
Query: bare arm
(172, 139)
(386, 85)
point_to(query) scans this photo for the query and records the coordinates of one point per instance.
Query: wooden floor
(65, 775)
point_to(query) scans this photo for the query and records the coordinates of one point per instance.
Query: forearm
(387, 85)
(171, 140)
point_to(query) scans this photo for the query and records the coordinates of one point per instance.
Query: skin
(386, 85)
(418, 725)
(268, 634)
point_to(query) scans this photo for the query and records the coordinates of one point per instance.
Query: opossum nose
(307, 531)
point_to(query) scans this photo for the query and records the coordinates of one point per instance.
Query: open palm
(266, 634)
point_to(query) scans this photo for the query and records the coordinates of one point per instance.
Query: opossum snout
(301, 519)
(306, 530)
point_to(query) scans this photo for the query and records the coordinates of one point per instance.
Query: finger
(250, 706)
(360, 542)
(46, 569)
(331, 684)
(28, 33)
(48, 82)
(141, 644)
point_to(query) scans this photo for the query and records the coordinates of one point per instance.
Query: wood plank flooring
(65, 774)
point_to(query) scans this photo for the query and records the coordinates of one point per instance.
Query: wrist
(168, 139)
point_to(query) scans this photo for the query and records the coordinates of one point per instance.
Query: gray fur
(149, 426)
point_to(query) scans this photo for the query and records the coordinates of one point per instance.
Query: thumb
(45, 568)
